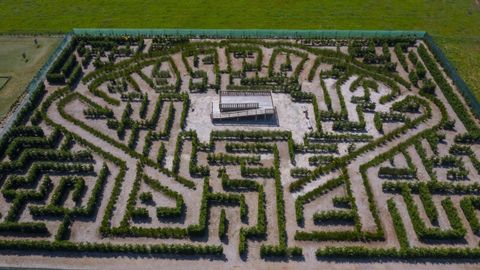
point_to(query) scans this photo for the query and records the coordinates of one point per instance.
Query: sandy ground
(290, 117)
(153, 263)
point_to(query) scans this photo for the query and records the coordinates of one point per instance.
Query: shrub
(447, 90)
(146, 197)
(334, 216)
(420, 70)
(469, 206)
(428, 87)
(413, 57)
(222, 225)
(398, 224)
(397, 173)
(428, 204)
(413, 77)
(144, 107)
(401, 56)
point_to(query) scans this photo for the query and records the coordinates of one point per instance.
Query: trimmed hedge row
(317, 148)
(44, 155)
(397, 173)
(340, 162)
(222, 225)
(244, 51)
(19, 144)
(424, 233)
(401, 56)
(220, 159)
(470, 205)
(194, 168)
(398, 224)
(417, 252)
(264, 135)
(63, 65)
(264, 172)
(256, 147)
(166, 211)
(282, 249)
(428, 204)
(66, 246)
(105, 228)
(447, 90)
(334, 216)
(350, 216)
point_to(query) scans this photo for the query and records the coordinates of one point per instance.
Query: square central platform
(241, 104)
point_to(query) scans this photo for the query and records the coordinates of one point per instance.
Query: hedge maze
(110, 153)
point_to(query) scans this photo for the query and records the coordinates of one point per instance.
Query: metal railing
(225, 107)
(244, 113)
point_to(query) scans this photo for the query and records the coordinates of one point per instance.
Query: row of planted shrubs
(66, 246)
(63, 66)
(415, 252)
(282, 249)
(447, 90)
(128, 150)
(340, 162)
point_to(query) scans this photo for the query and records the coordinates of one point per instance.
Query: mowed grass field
(455, 24)
(3, 81)
(21, 72)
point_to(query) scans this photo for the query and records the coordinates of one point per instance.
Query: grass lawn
(14, 65)
(454, 23)
(3, 81)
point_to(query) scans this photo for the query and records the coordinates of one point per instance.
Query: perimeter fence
(249, 33)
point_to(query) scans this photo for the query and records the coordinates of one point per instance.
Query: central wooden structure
(243, 104)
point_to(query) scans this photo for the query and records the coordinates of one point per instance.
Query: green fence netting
(452, 73)
(250, 33)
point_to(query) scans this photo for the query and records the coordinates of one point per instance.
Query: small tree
(428, 87)
(351, 148)
(413, 77)
(196, 61)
